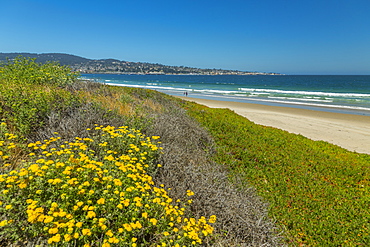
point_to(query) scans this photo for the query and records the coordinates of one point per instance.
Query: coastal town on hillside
(114, 66)
(123, 67)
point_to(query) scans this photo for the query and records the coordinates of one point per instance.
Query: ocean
(339, 93)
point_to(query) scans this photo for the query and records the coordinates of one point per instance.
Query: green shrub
(30, 91)
(27, 71)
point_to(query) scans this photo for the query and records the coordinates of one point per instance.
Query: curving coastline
(349, 131)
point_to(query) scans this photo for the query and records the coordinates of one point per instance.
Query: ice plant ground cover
(92, 191)
(318, 192)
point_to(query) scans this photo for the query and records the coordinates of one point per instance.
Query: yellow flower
(109, 233)
(22, 185)
(79, 224)
(67, 237)
(3, 223)
(137, 225)
(153, 221)
(212, 219)
(117, 182)
(109, 158)
(86, 232)
(127, 227)
(53, 230)
(8, 207)
(48, 219)
(113, 240)
(81, 191)
(91, 214)
(189, 193)
(62, 214)
(100, 201)
(56, 239)
(126, 202)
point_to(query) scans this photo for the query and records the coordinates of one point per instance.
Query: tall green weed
(27, 71)
(29, 91)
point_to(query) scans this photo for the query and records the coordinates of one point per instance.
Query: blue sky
(284, 36)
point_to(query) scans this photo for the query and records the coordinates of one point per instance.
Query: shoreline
(298, 105)
(142, 73)
(348, 131)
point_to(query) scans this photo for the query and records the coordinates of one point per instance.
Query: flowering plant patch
(93, 191)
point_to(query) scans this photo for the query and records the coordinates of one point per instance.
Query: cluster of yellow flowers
(7, 146)
(96, 191)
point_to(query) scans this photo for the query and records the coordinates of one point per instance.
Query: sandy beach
(346, 130)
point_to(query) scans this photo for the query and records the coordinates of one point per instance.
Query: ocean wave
(302, 99)
(274, 101)
(330, 94)
(215, 91)
(143, 86)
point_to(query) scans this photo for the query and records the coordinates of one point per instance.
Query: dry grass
(242, 215)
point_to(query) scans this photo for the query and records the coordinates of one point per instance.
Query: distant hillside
(63, 59)
(85, 65)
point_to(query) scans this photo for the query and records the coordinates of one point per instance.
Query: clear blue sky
(285, 36)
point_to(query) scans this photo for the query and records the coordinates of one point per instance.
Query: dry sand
(346, 130)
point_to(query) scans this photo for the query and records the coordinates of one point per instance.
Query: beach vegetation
(82, 164)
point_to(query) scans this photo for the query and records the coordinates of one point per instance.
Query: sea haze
(339, 93)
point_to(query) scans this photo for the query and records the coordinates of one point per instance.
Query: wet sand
(349, 131)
